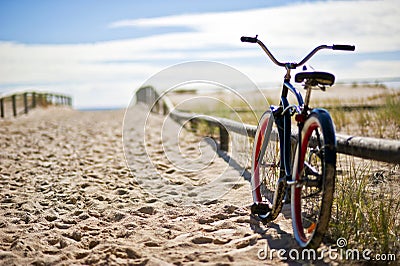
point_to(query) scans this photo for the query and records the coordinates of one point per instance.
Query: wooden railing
(14, 104)
(383, 150)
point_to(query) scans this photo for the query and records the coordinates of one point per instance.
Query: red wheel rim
(256, 172)
(297, 191)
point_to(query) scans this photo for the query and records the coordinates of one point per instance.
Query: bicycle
(297, 168)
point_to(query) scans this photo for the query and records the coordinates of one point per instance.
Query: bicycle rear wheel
(266, 171)
(315, 172)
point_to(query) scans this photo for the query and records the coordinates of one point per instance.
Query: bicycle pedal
(261, 209)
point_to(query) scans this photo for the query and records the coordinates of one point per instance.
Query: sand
(68, 196)
(95, 188)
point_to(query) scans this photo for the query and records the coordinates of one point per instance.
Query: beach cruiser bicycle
(297, 168)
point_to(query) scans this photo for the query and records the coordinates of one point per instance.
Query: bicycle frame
(299, 178)
(282, 117)
(284, 124)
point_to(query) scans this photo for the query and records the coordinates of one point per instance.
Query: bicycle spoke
(311, 170)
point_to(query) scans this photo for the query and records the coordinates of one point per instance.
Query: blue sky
(77, 21)
(101, 51)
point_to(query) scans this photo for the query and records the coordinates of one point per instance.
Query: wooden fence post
(165, 108)
(2, 107)
(14, 104)
(25, 102)
(33, 99)
(42, 99)
(223, 138)
(193, 125)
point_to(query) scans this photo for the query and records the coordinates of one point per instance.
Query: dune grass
(380, 122)
(366, 205)
(383, 122)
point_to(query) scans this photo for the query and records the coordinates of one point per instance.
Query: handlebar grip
(249, 39)
(343, 47)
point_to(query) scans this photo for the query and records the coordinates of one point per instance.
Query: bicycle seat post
(308, 89)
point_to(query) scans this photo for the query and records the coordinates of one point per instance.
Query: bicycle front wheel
(314, 170)
(266, 170)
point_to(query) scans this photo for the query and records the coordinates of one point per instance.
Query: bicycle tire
(315, 172)
(266, 168)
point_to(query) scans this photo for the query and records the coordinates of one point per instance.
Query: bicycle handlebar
(249, 39)
(305, 59)
(343, 47)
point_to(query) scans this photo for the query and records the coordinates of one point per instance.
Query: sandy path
(67, 196)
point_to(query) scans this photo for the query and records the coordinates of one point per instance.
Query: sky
(100, 52)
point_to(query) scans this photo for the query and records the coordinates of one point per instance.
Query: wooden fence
(364, 147)
(20, 103)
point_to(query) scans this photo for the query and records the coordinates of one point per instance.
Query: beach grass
(349, 116)
(366, 206)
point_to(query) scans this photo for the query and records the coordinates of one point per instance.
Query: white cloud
(371, 25)
(118, 67)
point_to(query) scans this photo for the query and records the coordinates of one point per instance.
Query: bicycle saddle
(316, 78)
